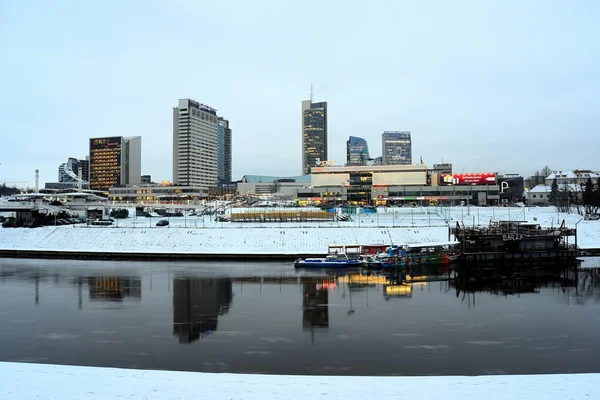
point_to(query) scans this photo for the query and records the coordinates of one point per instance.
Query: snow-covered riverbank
(38, 381)
(203, 235)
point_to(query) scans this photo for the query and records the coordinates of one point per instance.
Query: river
(270, 318)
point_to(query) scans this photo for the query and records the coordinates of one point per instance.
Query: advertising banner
(480, 178)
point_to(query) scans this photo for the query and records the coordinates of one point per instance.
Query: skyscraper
(314, 134)
(115, 161)
(357, 151)
(397, 148)
(195, 140)
(224, 151)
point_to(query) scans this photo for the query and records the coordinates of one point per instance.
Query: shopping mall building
(398, 185)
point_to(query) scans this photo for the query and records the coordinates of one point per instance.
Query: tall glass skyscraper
(396, 148)
(223, 151)
(314, 134)
(357, 151)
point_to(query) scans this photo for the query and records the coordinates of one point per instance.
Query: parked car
(591, 217)
(162, 222)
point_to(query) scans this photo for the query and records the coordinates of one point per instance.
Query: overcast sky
(507, 86)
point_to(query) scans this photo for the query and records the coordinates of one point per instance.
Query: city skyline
(488, 87)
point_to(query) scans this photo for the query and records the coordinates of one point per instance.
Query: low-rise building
(158, 194)
(265, 185)
(577, 176)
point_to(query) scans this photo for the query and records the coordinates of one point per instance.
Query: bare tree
(275, 187)
(546, 171)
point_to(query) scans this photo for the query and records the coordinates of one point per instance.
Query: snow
(39, 381)
(401, 225)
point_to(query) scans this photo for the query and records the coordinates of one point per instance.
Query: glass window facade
(396, 148)
(357, 151)
(105, 162)
(314, 135)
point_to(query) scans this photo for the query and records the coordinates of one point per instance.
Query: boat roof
(432, 244)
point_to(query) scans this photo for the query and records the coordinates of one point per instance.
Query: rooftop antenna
(311, 93)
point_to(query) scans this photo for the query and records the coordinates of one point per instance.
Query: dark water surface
(269, 318)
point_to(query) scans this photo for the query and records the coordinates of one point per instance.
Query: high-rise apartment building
(314, 134)
(223, 151)
(397, 148)
(115, 161)
(357, 151)
(195, 143)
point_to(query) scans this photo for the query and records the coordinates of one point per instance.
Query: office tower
(224, 151)
(314, 134)
(194, 144)
(115, 161)
(357, 151)
(397, 148)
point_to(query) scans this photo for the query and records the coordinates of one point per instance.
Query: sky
(500, 86)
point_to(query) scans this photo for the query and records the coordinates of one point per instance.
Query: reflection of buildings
(510, 281)
(112, 288)
(315, 305)
(197, 304)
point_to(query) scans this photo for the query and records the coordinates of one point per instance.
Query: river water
(270, 318)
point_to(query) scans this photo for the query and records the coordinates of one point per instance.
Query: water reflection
(197, 305)
(507, 281)
(114, 288)
(315, 305)
(139, 314)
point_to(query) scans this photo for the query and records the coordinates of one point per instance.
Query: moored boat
(413, 255)
(336, 260)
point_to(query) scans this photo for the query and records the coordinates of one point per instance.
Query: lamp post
(576, 232)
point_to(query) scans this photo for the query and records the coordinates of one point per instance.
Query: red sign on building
(480, 178)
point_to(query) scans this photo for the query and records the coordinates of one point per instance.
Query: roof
(271, 179)
(541, 188)
(576, 174)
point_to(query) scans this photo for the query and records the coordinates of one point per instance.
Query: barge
(515, 242)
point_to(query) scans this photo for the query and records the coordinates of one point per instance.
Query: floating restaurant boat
(516, 241)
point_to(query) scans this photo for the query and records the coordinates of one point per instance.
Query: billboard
(480, 178)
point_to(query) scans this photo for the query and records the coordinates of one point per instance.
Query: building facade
(73, 174)
(195, 142)
(314, 134)
(224, 151)
(115, 161)
(397, 185)
(158, 194)
(396, 148)
(357, 151)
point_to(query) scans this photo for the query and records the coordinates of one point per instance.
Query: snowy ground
(37, 381)
(205, 235)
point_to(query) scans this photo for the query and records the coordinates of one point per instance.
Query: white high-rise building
(195, 136)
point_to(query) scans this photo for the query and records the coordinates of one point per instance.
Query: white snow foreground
(59, 382)
(270, 240)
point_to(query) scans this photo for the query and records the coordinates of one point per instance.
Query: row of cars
(12, 222)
